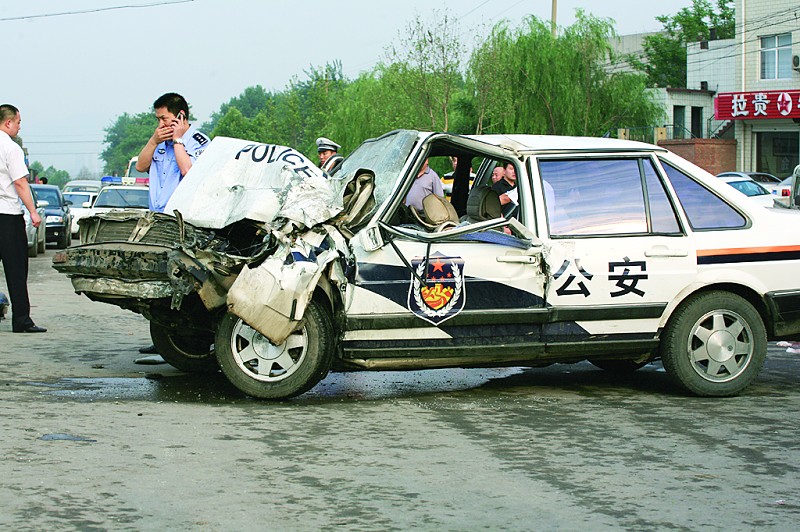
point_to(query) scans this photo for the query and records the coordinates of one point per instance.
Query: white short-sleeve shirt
(12, 167)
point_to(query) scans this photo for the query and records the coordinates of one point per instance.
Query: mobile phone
(181, 115)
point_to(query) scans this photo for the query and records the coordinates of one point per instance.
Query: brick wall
(712, 155)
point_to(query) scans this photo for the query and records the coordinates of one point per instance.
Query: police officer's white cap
(326, 144)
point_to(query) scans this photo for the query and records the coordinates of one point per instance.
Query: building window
(777, 153)
(776, 56)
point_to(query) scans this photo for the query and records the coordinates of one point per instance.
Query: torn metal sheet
(237, 179)
(272, 297)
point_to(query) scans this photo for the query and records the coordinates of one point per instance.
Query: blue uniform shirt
(164, 172)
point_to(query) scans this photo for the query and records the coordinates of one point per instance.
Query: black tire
(266, 371)
(190, 352)
(714, 344)
(619, 366)
(64, 240)
(33, 251)
(41, 243)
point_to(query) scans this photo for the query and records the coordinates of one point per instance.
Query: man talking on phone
(172, 149)
(167, 156)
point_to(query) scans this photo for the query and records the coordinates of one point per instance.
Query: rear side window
(605, 197)
(662, 215)
(704, 209)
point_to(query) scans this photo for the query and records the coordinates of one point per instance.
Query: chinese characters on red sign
(757, 105)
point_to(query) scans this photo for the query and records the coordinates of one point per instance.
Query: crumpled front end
(130, 259)
(255, 228)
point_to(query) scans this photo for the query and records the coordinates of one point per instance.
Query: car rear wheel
(188, 352)
(715, 344)
(267, 371)
(33, 250)
(41, 240)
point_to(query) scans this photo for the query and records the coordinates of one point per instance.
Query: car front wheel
(267, 371)
(191, 353)
(715, 344)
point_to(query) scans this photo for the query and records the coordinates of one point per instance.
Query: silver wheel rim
(263, 361)
(720, 346)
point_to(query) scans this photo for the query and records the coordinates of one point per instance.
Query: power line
(96, 10)
(62, 142)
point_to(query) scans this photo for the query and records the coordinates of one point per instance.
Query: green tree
(664, 56)
(370, 106)
(124, 139)
(54, 176)
(294, 117)
(428, 58)
(556, 85)
(251, 102)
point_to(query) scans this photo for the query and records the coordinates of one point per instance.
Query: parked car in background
(58, 218)
(36, 235)
(768, 181)
(750, 188)
(783, 191)
(617, 252)
(121, 197)
(794, 194)
(131, 171)
(81, 207)
(83, 185)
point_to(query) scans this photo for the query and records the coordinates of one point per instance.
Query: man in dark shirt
(506, 188)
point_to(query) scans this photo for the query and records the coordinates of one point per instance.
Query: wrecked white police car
(613, 251)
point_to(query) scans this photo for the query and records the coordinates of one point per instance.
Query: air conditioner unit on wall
(796, 62)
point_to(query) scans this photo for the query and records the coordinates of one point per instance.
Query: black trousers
(14, 256)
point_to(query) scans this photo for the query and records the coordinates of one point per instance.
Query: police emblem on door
(442, 295)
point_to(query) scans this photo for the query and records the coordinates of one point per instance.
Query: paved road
(92, 441)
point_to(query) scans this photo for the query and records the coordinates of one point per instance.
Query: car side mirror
(67, 202)
(86, 204)
(43, 203)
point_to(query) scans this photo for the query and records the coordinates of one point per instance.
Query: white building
(763, 103)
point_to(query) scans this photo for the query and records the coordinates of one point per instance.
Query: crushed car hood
(237, 179)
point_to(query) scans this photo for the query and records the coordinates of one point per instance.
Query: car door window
(605, 196)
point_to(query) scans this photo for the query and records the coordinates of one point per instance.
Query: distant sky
(71, 75)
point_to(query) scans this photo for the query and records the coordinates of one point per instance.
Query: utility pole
(553, 17)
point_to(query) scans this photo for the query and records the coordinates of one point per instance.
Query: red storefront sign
(757, 105)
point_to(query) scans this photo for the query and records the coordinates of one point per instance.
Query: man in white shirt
(13, 240)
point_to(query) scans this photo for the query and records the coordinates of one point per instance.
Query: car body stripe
(750, 254)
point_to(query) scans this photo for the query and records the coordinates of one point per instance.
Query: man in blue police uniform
(172, 149)
(328, 156)
(168, 155)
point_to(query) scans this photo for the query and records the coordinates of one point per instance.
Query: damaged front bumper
(150, 263)
(130, 259)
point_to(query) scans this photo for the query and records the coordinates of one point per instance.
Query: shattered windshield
(385, 156)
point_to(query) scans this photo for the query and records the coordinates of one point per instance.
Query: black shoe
(32, 329)
(149, 350)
